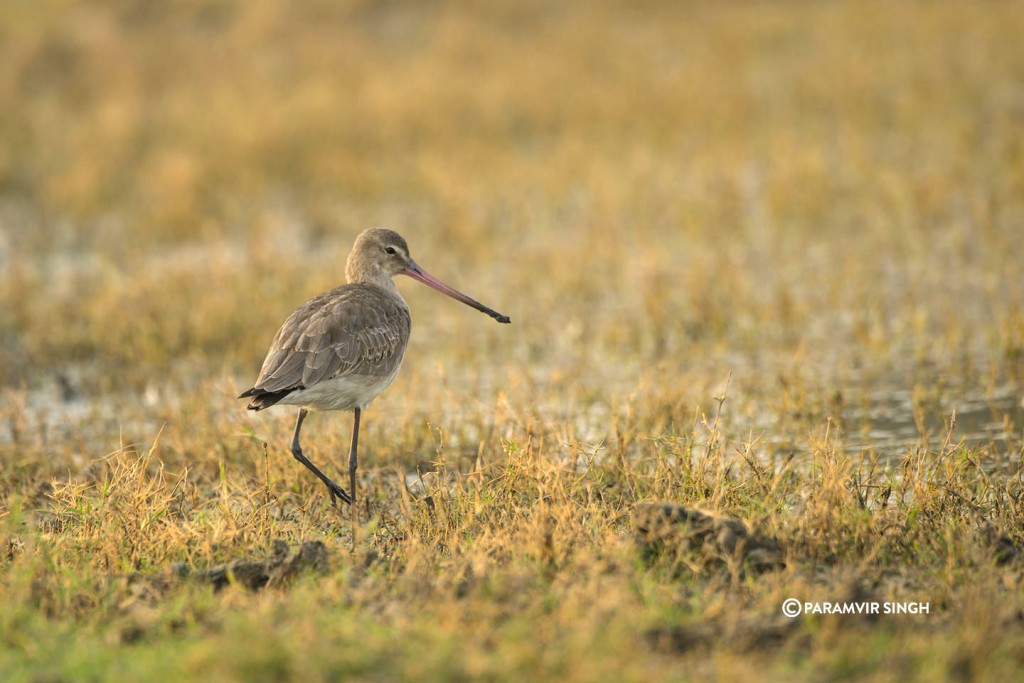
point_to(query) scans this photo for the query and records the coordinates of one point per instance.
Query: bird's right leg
(335, 490)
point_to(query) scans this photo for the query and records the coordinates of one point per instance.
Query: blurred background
(825, 200)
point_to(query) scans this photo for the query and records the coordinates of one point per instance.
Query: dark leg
(335, 490)
(353, 458)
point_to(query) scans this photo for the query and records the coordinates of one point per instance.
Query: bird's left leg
(335, 490)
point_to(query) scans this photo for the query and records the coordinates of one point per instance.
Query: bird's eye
(389, 250)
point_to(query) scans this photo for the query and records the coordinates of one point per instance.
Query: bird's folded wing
(347, 331)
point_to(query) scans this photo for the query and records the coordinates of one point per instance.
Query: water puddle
(894, 422)
(933, 410)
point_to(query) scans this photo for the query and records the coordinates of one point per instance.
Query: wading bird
(343, 347)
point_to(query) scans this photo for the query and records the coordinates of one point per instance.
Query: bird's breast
(344, 392)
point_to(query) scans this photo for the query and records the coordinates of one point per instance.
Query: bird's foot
(337, 492)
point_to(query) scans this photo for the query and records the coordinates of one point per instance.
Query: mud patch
(277, 571)
(698, 537)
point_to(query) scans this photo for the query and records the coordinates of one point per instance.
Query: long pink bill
(417, 273)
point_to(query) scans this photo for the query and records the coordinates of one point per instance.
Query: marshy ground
(765, 267)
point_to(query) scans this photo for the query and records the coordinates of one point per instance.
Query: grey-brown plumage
(351, 332)
(340, 349)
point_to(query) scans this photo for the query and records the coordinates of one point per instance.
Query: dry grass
(722, 232)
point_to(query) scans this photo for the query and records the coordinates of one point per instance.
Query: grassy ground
(725, 233)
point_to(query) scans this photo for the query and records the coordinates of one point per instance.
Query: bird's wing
(351, 330)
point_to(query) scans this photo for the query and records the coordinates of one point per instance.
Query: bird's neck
(371, 278)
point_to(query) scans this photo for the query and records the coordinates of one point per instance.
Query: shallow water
(895, 420)
(889, 415)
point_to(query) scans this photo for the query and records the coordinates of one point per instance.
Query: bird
(343, 347)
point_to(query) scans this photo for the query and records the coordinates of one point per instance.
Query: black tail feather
(264, 399)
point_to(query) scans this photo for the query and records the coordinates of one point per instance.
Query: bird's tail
(263, 399)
